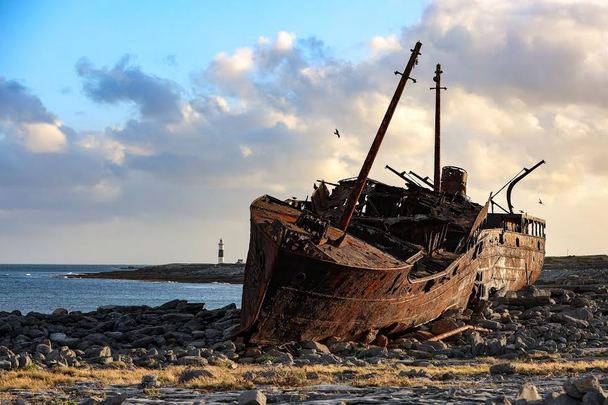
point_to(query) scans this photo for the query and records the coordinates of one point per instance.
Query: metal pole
(437, 88)
(353, 198)
(515, 181)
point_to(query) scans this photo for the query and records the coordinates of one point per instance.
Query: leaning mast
(353, 198)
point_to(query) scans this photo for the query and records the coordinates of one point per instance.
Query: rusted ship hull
(296, 297)
(289, 294)
(292, 294)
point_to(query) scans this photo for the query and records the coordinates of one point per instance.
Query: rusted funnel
(453, 180)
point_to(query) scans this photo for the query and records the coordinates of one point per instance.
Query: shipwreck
(368, 257)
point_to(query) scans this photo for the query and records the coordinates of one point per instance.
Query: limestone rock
(193, 374)
(319, 347)
(502, 368)
(60, 312)
(192, 361)
(254, 397)
(528, 392)
(149, 381)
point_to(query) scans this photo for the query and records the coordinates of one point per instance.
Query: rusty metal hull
(292, 296)
(305, 291)
(308, 299)
(508, 260)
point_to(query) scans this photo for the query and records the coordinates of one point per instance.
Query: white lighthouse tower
(220, 252)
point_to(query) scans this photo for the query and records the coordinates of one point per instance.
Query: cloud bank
(524, 83)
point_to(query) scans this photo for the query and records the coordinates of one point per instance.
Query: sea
(43, 288)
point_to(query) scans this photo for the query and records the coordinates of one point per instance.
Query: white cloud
(42, 137)
(380, 45)
(239, 62)
(284, 41)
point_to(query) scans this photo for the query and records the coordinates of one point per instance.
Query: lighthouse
(220, 252)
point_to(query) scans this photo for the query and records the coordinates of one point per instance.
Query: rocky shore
(177, 272)
(545, 343)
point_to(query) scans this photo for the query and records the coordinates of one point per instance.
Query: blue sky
(139, 132)
(42, 41)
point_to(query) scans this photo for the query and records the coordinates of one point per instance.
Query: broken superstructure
(368, 257)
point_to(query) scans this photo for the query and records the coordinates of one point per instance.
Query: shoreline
(175, 272)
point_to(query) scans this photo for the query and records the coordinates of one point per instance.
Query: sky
(135, 132)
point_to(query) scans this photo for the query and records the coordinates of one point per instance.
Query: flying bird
(337, 133)
(540, 202)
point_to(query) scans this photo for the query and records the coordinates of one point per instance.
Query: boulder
(478, 344)
(149, 381)
(319, 347)
(414, 373)
(487, 323)
(583, 314)
(144, 341)
(64, 340)
(501, 400)
(528, 392)
(588, 384)
(226, 346)
(193, 374)
(43, 348)
(114, 398)
(443, 326)
(594, 398)
(503, 369)
(25, 361)
(254, 397)
(341, 347)
(192, 361)
(374, 352)
(559, 398)
(279, 357)
(60, 312)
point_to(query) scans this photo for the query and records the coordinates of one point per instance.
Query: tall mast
(437, 88)
(353, 198)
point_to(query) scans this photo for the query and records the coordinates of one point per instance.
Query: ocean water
(42, 288)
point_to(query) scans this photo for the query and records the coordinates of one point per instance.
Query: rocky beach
(544, 343)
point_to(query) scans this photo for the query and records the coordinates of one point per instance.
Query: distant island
(177, 272)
